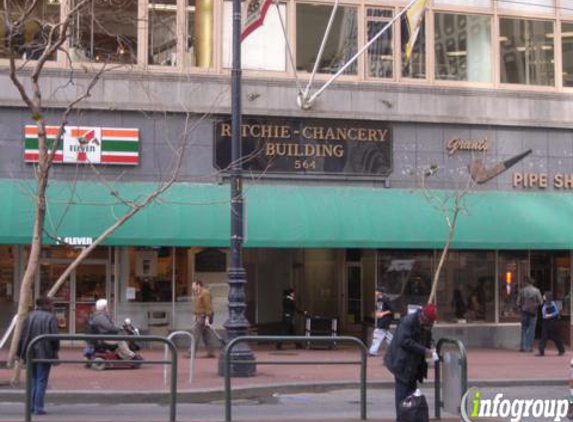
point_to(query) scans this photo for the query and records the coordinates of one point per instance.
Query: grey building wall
(138, 90)
(415, 144)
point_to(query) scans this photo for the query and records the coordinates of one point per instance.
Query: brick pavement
(484, 364)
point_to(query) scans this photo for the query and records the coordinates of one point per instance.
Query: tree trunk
(26, 289)
(444, 255)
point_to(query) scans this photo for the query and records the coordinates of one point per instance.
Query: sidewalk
(485, 366)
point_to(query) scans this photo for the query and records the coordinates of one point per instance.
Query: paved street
(329, 406)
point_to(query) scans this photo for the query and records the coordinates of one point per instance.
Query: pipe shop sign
(86, 145)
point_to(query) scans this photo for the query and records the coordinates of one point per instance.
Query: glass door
(75, 300)
(353, 314)
(49, 274)
(90, 285)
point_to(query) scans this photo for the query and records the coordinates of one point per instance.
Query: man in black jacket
(408, 351)
(40, 321)
(288, 314)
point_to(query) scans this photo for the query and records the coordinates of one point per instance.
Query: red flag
(254, 15)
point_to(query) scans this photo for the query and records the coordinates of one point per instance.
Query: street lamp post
(237, 325)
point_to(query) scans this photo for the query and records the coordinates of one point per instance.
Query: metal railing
(92, 337)
(283, 339)
(191, 354)
(463, 361)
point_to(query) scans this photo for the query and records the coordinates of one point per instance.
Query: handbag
(414, 408)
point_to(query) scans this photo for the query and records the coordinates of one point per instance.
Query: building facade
(333, 204)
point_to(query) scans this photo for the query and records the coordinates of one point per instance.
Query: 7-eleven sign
(82, 145)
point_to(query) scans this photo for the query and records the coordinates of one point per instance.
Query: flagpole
(237, 324)
(308, 103)
(321, 50)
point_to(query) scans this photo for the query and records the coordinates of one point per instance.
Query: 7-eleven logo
(82, 145)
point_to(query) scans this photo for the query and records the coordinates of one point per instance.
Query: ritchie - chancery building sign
(319, 146)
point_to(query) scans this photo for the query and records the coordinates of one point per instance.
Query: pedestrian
(40, 321)
(289, 310)
(383, 317)
(550, 314)
(203, 310)
(528, 301)
(408, 351)
(103, 324)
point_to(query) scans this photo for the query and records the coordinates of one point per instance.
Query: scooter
(98, 353)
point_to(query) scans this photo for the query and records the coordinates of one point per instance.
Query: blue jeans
(528, 322)
(40, 374)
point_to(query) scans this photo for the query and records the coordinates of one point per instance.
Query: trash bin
(451, 383)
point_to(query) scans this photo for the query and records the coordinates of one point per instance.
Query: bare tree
(450, 204)
(61, 34)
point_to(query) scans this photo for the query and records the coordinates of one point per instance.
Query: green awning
(291, 216)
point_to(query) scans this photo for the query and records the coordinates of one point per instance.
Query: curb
(246, 392)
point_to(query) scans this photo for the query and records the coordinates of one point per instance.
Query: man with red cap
(410, 347)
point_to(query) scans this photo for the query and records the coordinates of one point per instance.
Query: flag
(254, 13)
(414, 18)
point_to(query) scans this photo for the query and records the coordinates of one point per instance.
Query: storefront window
(562, 284)
(105, 31)
(30, 41)
(406, 276)
(527, 52)
(342, 42)
(567, 52)
(152, 276)
(380, 53)
(413, 66)
(69, 253)
(7, 261)
(466, 289)
(263, 49)
(162, 38)
(463, 47)
(513, 267)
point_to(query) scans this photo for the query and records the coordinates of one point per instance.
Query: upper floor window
(546, 7)
(567, 49)
(462, 47)
(162, 32)
(105, 31)
(566, 7)
(199, 32)
(341, 44)
(526, 52)
(413, 65)
(29, 40)
(263, 49)
(380, 58)
(481, 4)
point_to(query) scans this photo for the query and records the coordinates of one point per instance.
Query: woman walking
(550, 314)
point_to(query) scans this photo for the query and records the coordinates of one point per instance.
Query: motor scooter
(99, 353)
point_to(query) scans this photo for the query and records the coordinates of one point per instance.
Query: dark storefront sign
(317, 146)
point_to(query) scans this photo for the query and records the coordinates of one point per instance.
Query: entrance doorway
(353, 311)
(75, 300)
